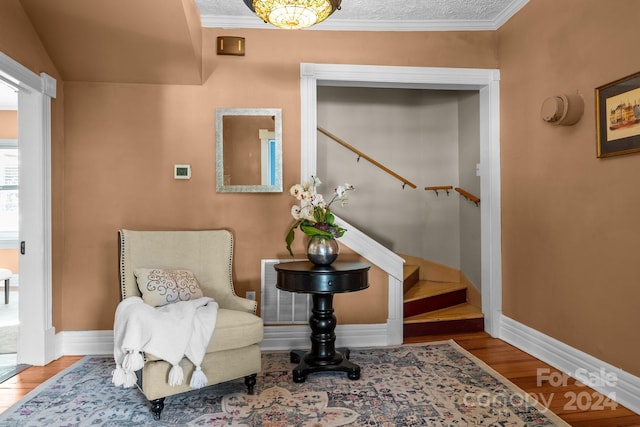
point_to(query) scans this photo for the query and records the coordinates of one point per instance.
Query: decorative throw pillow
(161, 287)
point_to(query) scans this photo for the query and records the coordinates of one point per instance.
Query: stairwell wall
(469, 159)
(412, 132)
(429, 137)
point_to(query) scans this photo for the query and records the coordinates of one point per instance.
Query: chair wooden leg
(157, 405)
(250, 381)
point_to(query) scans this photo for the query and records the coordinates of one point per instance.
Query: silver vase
(322, 250)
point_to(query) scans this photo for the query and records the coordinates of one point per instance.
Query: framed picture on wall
(618, 117)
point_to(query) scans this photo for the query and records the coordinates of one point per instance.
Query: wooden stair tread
(425, 289)
(457, 312)
(409, 269)
(436, 300)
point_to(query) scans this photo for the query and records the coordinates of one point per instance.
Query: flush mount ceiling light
(293, 14)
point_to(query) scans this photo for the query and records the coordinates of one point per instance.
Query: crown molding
(335, 24)
(508, 13)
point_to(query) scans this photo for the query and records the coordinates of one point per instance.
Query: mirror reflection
(248, 150)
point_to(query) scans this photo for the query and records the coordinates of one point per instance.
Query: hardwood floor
(522, 369)
(17, 387)
(517, 366)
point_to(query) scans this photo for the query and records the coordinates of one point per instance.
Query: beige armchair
(233, 350)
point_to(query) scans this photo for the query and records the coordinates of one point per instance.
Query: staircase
(438, 300)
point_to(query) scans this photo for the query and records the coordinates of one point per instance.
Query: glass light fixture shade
(294, 14)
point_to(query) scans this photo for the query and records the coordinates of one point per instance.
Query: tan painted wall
(19, 41)
(570, 221)
(136, 41)
(122, 141)
(8, 124)
(9, 259)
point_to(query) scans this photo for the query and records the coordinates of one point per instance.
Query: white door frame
(486, 82)
(36, 341)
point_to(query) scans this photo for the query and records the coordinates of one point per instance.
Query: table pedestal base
(308, 363)
(322, 282)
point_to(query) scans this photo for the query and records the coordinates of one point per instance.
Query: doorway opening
(9, 232)
(486, 83)
(36, 338)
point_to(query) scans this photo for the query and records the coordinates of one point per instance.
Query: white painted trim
(395, 323)
(78, 343)
(385, 259)
(490, 194)
(333, 24)
(336, 24)
(570, 361)
(406, 25)
(386, 76)
(486, 81)
(36, 340)
(49, 85)
(297, 336)
(514, 7)
(35, 228)
(18, 75)
(48, 90)
(308, 121)
(390, 263)
(285, 337)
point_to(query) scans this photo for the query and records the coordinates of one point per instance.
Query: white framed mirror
(248, 150)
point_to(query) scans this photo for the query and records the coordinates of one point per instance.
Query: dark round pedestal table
(322, 282)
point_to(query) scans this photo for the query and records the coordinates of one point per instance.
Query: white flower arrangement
(313, 215)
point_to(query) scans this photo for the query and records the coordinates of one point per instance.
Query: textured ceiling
(379, 15)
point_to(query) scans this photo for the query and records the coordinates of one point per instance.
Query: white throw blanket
(170, 332)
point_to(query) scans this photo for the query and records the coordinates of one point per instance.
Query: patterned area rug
(436, 384)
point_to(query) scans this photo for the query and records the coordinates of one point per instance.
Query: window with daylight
(268, 159)
(9, 201)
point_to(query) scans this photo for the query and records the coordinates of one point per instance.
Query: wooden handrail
(437, 188)
(372, 161)
(468, 195)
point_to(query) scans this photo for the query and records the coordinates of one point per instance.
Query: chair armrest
(240, 304)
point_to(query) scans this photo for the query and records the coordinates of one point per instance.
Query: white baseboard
(286, 337)
(619, 385)
(81, 343)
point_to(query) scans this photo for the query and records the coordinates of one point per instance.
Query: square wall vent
(281, 307)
